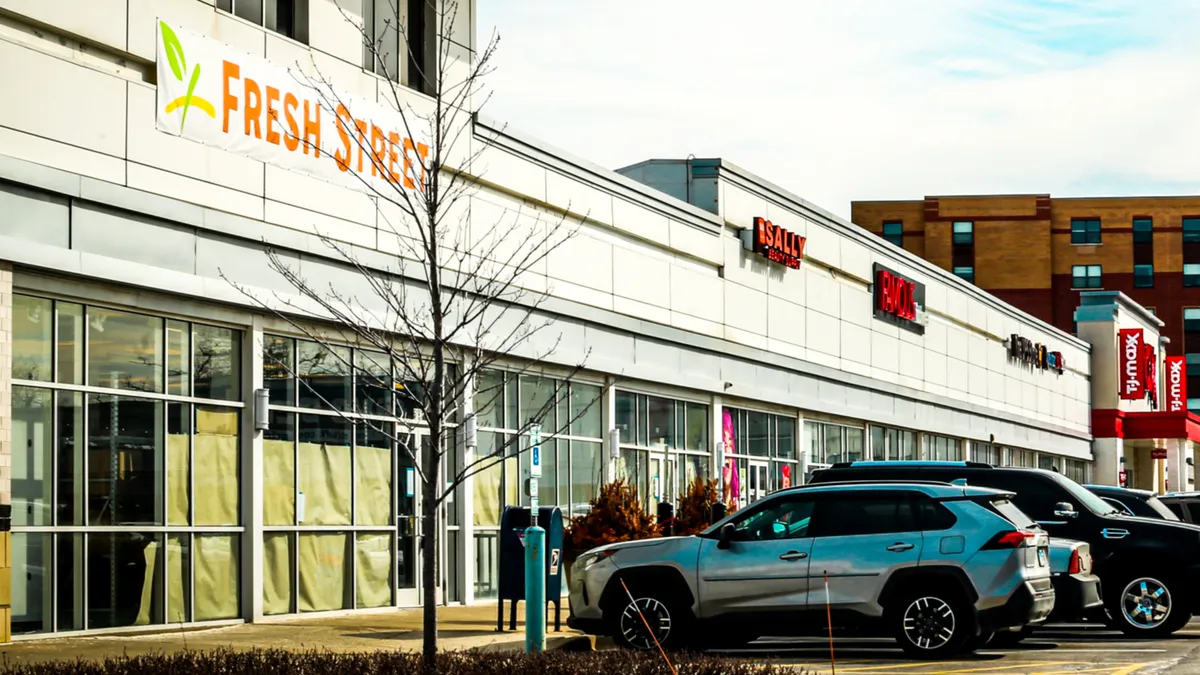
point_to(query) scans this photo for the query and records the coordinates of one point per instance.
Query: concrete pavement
(459, 628)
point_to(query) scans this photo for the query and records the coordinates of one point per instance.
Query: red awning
(1145, 425)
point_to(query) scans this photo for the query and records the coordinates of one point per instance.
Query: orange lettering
(362, 141)
(229, 71)
(342, 157)
(422, 151)
(393, 140)
(378, 150)
(272, 114)
(292, 140)
(312, 129)
(253, 108)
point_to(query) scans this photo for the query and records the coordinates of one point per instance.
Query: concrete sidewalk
(459, 628)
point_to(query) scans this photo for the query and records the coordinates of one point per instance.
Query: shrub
(278, 662)
(695, 508)
(616, 515)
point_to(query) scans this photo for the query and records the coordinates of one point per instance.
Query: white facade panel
(641, 277)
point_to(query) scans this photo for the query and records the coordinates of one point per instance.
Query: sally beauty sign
(1129, 359)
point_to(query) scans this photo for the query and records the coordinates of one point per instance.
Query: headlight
(588, 559)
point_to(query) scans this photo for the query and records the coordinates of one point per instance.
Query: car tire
(931, 624)
(1149, 605)
(654, 606)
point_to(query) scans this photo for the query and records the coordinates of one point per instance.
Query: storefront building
(729, 331)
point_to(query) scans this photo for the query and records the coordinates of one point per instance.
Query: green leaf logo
(178, 62)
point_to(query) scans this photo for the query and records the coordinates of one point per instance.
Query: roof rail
(874, 482)
(911, 463)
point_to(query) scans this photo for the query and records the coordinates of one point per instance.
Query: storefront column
(608, 422)
(466, 493)
(1108, 452)
(1176, 474)
(6, 298)
(252, 476)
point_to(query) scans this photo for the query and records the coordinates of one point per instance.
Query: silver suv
(940, 567)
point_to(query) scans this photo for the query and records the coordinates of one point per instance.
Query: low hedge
(279, 662)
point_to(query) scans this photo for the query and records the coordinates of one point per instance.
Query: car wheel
(1148, 605)
(652, 620)
(932, 624)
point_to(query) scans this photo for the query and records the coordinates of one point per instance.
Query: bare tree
(456, 296)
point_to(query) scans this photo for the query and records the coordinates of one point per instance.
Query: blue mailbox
(513, 523)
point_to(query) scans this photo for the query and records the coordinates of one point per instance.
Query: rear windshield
(1012, 514)
(1160, 509)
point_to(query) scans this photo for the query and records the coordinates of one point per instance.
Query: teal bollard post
(535, 590)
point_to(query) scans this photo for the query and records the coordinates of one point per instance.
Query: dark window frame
(1191, 229)
(1192, 279)
(966, 273)
(1090, 281)
(896, 235)
(288, 18)
(1143, 235)
(965, 238)
(1143, 278)
(1086, 231)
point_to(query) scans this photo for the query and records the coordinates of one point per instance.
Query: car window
(1194, 511)
(784, 518)
(1175, 508)
(1160, 509)
(842, 515)
(1116, 504)
(1012, 513)
(934, 516)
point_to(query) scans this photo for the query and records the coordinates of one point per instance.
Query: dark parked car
(1146, 566)
(1185, 505)
(1140, 503)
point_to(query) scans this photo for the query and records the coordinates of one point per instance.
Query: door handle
(900, 546)
(793, 555)
(1114, 533)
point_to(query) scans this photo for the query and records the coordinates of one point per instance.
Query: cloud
(870, 99)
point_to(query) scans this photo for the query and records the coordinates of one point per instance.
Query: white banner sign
(212, 94)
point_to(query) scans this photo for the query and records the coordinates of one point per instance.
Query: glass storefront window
(372, 383)
(943, 449)
(324, 471)
(218, 362)
(32, 456)
(585, 410)
(279, 362)
(1022, 458)
(32, 338)
(125, 461)
(986, 453)
(324, 376)
(97, 459)
(125, 350)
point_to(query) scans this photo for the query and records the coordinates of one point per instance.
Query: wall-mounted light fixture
(262, 415)
(614, 443)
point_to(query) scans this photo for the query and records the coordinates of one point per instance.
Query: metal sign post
(535, 470)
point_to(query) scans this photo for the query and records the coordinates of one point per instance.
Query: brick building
(1039, 253)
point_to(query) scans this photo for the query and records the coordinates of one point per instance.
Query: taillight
(1076, 565)
(1012, 539)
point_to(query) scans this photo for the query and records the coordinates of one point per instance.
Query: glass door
(408, 524)
(662, 479)
(759, 484)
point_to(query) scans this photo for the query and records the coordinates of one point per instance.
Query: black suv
(1131, 502)
(1146, 567)
(1185, 505)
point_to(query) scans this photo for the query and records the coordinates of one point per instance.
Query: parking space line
(994, 668)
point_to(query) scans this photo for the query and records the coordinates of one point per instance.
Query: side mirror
(725, 536)
(1065, 510)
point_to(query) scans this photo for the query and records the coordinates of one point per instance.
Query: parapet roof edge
(597, 175)
(1125, 302)
(877, 244)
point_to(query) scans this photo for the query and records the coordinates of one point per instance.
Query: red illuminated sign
(777, 244)
(1150, 373)
(898, 299)
(1176, 383)
(1129, 359)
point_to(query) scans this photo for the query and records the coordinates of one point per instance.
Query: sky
(841, 100)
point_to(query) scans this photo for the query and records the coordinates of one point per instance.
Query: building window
(986, 453)
(664, 445)
(1191, 274)
(964, 233)
(1143, 276)
(1085, 276)
(942, 449)
(1085, 230)
(127, 463)
(1191, 230)
(405, 56)
(1191, 349)
(1152, 311)
(762, 450)
(893, 231)
(286, 17)
(893, 444)
(831, 443)
(1022, 458)
(1143, 230)
(965, 273)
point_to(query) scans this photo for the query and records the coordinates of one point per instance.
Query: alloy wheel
(929, 623)
(633, 628)
(1146, 603)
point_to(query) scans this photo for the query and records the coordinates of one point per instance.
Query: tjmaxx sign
(1131, 368)
(212, 94)
(1176, 367)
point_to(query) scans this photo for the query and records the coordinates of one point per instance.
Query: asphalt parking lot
(1058, 649)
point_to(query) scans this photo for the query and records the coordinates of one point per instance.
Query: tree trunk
(429, 575)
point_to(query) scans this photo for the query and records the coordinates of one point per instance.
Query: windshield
(1085, 498)
(1161, 509)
